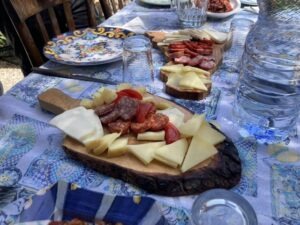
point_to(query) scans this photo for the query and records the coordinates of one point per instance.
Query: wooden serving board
(221, 171)
(192, 94)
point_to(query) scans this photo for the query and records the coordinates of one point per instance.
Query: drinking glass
(191, 13)
(137, 61)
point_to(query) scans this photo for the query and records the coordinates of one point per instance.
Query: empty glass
(137, 61)
(191, 13)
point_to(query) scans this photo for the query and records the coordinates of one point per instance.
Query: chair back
(36, 12)
(110, 7)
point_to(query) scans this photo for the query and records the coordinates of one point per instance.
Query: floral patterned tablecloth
(31, 156)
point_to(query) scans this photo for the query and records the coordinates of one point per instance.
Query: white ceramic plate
(249, 2)
(157, 2)
(236, 5)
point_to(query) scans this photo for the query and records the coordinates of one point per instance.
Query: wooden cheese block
(221, 171)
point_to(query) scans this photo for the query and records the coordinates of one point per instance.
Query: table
(31, 152)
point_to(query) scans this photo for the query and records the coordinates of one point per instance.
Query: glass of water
(191, 13)
(137, 61)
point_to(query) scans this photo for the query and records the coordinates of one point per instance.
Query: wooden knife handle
(56, 101)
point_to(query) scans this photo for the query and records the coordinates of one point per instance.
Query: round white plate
(249, 2)
(236, 5)
(157, 2)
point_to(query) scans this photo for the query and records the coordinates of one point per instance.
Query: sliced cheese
(175, 116)
(151, 136)
(87, 103)
(105, 142)
(174, 79)
(109, 95)
(217, 36)
(196, 70)
(176, 68)
(172, 154)
(76, 123)
(198, 151)
(145, 152)
(209, 134)
(118, 147)
(191, 81)
(190, 127)
(123, 86)
(98, 99)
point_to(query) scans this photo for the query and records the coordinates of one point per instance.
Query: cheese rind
(145, 152)
(118, 147)
(172, 154)
(151, 136)
(209, 134)
(190, 127)
(198, 151)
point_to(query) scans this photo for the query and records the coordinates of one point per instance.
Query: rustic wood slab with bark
(223, 170)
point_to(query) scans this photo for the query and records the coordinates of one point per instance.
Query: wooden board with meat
(145, 140)
(194, 51)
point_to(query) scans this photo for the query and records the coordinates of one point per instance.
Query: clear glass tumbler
(137, 61)
(191, 13)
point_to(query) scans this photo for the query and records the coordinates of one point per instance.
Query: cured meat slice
(140, 127)
(127, 107)
(104, 109)
(182, 60)
(119, 126)
(158, 121)
(207, 64)
(111, 117)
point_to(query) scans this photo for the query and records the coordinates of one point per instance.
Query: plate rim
(55, 39)
(150, 2)
(226, 14)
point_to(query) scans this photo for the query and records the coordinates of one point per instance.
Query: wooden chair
(35, 11)
(110, 7)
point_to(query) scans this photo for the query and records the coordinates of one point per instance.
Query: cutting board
(192, 94)
(221, 171)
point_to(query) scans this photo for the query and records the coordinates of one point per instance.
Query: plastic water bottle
(268, 93)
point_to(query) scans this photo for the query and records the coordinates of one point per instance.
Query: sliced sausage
(119, 126)
(140, 127)
(104, 109)
(111, 117)
(158, 121)
(127, 107)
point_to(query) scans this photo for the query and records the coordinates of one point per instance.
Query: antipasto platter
(145, 140)
(192, 57)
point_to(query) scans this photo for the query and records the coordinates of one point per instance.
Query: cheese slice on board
(176, 117)
(172, 154)
(118, 147)
(151, 136)
(145, 152)
(198, 151)
(209, 134)
(190, 80)
(190, 127)
(105, 142)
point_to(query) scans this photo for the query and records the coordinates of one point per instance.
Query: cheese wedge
(176, 68)
(190, 127)
(105, 142)
(123, 86)
(109, 95)
(77, 123)
(145, 152)
(174, 79)
(87, 103)
(196, 70)
(175, 116)
(198, 151)
(209, 134)
(118, 147)
(151, 136)
(191, 81)
(172, 154)
(217, 36)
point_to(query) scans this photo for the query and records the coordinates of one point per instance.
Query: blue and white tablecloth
(31, 156)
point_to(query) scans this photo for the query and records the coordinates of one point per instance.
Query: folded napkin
(136, 25)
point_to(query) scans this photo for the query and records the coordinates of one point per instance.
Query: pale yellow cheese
(176, 116)
(145, 152)
(109, 95)
(174, 79)
(98, 99)
(198, 151)
(172, 154)
(87, 103)
(151, 136)
(209, 134)
(191, 81)
(105, 142)
(196, 70)
(123, 86)
(176, 68)
(118, 147)
(190, 127)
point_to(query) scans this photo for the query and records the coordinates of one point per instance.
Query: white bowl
(236, 6)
